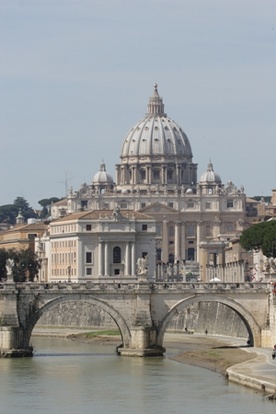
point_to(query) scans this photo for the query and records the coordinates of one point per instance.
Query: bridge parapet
(136, 286)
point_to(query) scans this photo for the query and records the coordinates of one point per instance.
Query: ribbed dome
(102, 177)
(156, 136)
(210, 177)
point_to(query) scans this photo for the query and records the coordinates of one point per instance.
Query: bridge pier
(11, 339)
(143, 343)
(12, 335)
(143, 332)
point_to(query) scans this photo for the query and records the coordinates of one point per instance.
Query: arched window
(117, 254)
(171, 258)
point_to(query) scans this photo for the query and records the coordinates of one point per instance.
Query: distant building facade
(94, 245)
(22, 236)
(157, 177)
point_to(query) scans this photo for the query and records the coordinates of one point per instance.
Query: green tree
(8, 213)
(23, 206)
(260, 236)
(26, 265)
(3, 258)
(46, 204)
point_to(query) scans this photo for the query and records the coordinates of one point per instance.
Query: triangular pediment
(158, 208)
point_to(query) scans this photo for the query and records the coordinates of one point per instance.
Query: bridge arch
(114, 314)
(253, 328)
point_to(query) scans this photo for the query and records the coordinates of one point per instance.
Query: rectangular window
(143, 205)
(88, 257)
(191, 230)
(88, 271)
(155, 175)
(190, 204)
(88, 227)
(170, 205)
(144, 227)
(208, 206)
(230, 204)
(143, 174)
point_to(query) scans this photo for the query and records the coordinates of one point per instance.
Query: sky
(76, 75)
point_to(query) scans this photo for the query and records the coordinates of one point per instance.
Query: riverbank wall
(216, 318)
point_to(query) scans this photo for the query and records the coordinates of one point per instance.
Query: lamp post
(69, 273)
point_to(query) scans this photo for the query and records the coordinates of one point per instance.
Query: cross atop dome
(156, 89)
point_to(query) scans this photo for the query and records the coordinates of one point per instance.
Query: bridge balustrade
(145, 285)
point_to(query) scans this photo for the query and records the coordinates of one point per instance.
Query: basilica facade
(157, 177)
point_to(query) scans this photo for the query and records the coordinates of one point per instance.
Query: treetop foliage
(9, 212)
(25, 264)
(261, 236)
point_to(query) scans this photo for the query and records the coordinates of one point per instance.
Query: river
(76, 378)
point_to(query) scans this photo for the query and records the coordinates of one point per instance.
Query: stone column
(135, 175)
(133, 264)
(122, 176)
(118, 178)
(183, 241)
(106, 259)
(198, 239)
(177, 241)
(100, 259)
(164, 170)
(127, 257)
(217, 229)
(177, 167)
(148, 175)
(165, 257)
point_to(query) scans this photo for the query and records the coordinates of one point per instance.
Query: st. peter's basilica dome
(156, 135)
(156, 150)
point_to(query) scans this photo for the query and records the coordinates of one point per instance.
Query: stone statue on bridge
(142, 267)
(9, 266)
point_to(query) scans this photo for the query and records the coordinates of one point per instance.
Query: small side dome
(102, 181)
(210, 176)
(189, 191)
(102, 178)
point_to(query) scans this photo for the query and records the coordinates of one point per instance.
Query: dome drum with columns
(157, 176)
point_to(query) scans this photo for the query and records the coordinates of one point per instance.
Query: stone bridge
(141, 310)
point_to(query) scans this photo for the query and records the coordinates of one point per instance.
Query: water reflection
(66, 376)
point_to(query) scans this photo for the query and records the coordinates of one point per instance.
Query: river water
(75, 378)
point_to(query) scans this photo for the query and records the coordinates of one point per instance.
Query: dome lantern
(155, 105)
